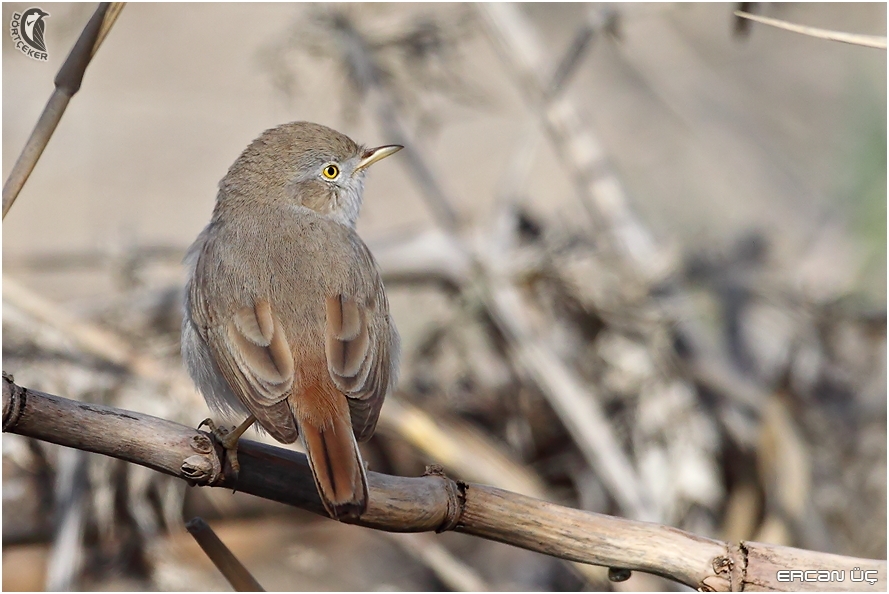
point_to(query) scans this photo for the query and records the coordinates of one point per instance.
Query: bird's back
(264, 249)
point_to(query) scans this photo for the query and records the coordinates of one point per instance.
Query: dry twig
(458, 448)
(874, 41)
(602, 193)
(224, 560)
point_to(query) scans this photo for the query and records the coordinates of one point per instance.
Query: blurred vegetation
(739, 371)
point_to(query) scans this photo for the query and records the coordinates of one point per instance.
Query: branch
(874, 41)
(427, 503)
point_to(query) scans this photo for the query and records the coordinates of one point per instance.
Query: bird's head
(309, 164)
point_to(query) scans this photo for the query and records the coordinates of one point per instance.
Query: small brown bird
(286, 318)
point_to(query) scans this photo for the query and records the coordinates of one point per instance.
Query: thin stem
(224, 560)
(851, 38)
(67, 83)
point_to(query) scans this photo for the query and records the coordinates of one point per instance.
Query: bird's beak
(373, 155)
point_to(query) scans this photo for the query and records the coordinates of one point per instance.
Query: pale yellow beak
(373, 155)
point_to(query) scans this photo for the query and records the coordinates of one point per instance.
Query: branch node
(13, 402)
(70, 75)
(456, 497)
(204, 468)
(723, 564)
(198, 470)
(728, 570)
(739, 566)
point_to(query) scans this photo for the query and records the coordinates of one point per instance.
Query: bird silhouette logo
(28, 30)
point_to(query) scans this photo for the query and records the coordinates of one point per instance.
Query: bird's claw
(228, 439)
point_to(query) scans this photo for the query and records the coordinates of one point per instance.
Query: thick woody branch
(429, 503)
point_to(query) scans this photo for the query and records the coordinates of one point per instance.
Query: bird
(286, 317)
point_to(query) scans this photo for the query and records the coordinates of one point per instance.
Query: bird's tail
(335, 460)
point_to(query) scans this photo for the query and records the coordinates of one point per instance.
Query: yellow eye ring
(330, 171)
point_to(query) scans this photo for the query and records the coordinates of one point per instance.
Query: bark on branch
(427, 503)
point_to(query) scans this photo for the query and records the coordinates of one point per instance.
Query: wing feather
(254, 356)
(359, 341)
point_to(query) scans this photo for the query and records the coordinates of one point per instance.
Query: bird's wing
(359, 344)
(253, 354)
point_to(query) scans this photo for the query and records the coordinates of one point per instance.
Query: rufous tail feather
(337, 466)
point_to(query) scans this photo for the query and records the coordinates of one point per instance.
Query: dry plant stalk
(601, 191)
(67, 83)
(88, 336)
(427, 503)
(576, 405)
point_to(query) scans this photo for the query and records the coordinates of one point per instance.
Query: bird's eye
(331, 171)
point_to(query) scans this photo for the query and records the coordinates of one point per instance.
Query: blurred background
(636, 253)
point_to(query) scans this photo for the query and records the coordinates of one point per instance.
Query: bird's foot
(228, 439)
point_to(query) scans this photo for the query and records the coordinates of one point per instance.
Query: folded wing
(253, 354)
(358, 349)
